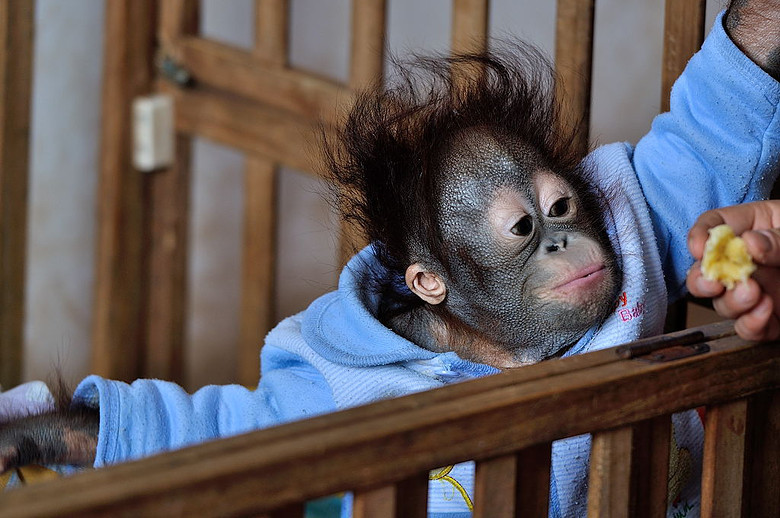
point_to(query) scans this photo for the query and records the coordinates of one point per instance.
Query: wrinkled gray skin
(71, 436)
(506, 285)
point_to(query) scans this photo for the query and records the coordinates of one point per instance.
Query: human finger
(763, 246)
(761, 323)
(743, 298)
(701, 287)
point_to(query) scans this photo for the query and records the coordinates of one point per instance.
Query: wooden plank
(178, 19)
(272, 31)
(378, 444)
(367, 48)
(247, 126)
(411, 499)
(367, 54)
(259, 261)
(724, 459)
(533, 485)
(168, 212)
(470, 26)
(229, 69)
(574, 63)
(495, 487)
(609, 478)
(683, 35)
(16, 41)
(290, 511)
(119, 277)
(375, 503)
(650, 469)
(764, 454)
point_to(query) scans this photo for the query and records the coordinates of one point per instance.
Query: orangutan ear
(425, 284)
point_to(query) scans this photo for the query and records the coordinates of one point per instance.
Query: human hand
(755, 303)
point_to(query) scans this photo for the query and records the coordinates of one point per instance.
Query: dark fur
(386, 162)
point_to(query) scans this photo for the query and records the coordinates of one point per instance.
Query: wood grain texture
(408, 498)
(379, 444)
(168, 198)
(118, 333)
(609, 478)
(16, 40)
(272, 28)
(574, 64)
(650, 469)
(683, 35)
(375, 503)
(470, 25)
(723, 468)
(259, 261)
(235, 71)
(763, 459)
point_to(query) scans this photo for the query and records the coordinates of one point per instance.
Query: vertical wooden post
(609, 479)
(16, 42)
(763, 459)
(574, 63)
(119, 279)
(168, 196)
(367, 53)
(723, 466)
(683, 35)
(407, 498)
(260, 206)
(470, 25)
(259, 261)
(650, 469)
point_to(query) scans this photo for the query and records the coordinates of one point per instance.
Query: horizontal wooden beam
(370, 446)
(242, 73)
(248, 126)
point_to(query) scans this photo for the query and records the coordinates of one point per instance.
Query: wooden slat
(239, 72)
(650, 469)
(290, 511)
(16, 39)
(119, 278)
(470, 25)
(411, 499)
(764, 455)
(178, 19)
(533, 485)
(574, 63)
(168, 212)
(367, 53)
(378, 444)
(408, 498)
(375, 503)
(609, 479)
(247, 126)
(724, 459)
(683, 35)
(495, 487)
(367, 49)
(272, 31)
(259, 260)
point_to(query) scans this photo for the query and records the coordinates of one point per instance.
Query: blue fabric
(718, 146)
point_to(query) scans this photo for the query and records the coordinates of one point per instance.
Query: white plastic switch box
(153, 134)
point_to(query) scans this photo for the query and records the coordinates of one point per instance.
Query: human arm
(755, 303)
(717, 145)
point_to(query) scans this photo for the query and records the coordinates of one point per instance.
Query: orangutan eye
(524, 227)
(559, 208)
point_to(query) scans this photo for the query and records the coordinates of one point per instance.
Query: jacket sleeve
(719, 145)
(151, 416)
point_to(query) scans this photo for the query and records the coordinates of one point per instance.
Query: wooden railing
(506, 423)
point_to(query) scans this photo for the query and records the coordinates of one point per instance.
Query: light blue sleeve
(151, 416)
(719, 145)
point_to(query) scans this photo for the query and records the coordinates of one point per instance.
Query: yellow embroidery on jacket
(444, 475)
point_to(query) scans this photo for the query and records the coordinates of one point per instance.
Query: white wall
(66, 111)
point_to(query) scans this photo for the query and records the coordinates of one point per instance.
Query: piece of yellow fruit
(726, 258)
